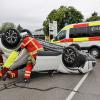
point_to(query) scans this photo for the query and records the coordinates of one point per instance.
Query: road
(58, 87)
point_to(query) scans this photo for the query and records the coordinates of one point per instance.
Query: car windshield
(61, 35)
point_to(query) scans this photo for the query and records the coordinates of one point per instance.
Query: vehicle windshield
(61, 35)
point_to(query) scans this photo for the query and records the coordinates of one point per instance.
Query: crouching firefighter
(32, 46)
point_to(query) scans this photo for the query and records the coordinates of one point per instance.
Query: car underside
(54, 57)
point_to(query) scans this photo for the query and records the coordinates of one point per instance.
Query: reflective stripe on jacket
(31, 44)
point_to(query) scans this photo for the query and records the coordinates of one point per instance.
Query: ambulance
(83, 36)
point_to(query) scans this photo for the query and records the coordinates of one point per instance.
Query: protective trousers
(31, 63)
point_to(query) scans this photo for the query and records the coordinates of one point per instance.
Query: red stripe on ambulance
(80, 25)
(94, 38)
(80, 39)
(67, 40)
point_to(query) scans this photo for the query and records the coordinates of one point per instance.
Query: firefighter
(32, 46)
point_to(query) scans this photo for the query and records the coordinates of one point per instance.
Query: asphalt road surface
(58, 87)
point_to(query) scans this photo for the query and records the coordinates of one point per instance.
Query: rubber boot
(28, 70)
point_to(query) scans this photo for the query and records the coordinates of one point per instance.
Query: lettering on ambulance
(95, 28)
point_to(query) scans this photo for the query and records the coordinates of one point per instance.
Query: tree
(19, 28)
(94, 17)
(6, 26)
(63, 15)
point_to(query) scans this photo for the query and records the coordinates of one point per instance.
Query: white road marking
(71, 95)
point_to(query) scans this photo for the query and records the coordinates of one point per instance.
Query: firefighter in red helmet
(32, 46)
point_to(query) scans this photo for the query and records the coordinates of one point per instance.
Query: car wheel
(69, 56)
(11, 39)
(73, 58)
(95, 52)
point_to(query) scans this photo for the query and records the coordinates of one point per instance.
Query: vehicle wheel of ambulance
(76, 46)
(69, 57)
(11, 39)
(95, 52)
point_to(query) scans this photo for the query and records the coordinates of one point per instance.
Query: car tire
(95, 52)
(72, 58)
(69, 56)
(11, 39)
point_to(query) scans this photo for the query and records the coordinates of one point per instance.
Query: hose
(15, 83)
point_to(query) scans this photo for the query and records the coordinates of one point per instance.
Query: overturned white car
(55, 58)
